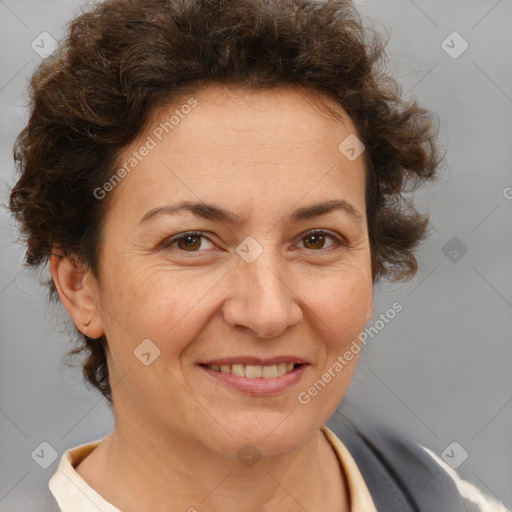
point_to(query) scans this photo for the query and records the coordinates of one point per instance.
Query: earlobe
(78, 293)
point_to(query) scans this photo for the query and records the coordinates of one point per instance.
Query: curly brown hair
(123, 58)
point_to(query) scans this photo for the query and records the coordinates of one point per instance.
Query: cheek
(156, 303)
(340, 300)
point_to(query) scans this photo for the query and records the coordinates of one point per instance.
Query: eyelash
(340, 242)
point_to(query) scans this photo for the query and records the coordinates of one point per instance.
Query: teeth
(251, 371)
(254, 372)
(238, 370)
(269, 372)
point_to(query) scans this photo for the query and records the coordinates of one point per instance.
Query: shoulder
(401, 475)
(474, 499)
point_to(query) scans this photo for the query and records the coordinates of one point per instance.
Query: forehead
(288, 125)
(287, 136)
(251, 107)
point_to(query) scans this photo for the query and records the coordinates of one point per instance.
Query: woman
(216, 187)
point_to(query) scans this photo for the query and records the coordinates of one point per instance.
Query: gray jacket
(402, 476)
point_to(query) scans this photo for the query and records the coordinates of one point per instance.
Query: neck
(135, 470)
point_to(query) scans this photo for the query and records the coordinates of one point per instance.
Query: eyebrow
(213, 212)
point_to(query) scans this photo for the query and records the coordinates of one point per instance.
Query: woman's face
(257, 292)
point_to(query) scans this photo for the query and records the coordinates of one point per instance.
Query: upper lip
(256, 361)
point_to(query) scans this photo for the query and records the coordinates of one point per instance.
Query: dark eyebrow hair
(213, 212)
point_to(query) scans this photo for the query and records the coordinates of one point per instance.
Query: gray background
(440, 371)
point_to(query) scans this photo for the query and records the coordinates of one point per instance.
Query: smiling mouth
(253, 371)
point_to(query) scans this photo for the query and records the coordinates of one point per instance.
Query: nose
(262, 301)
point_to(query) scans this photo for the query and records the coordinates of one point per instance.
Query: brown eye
(316, 240)
(189, 242)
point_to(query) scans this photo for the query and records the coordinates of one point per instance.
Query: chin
(269, 434)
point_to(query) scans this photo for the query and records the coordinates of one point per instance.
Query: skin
(178, 431)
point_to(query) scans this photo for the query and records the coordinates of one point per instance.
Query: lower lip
(259, 386)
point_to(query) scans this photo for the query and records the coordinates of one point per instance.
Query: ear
(78, 292)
